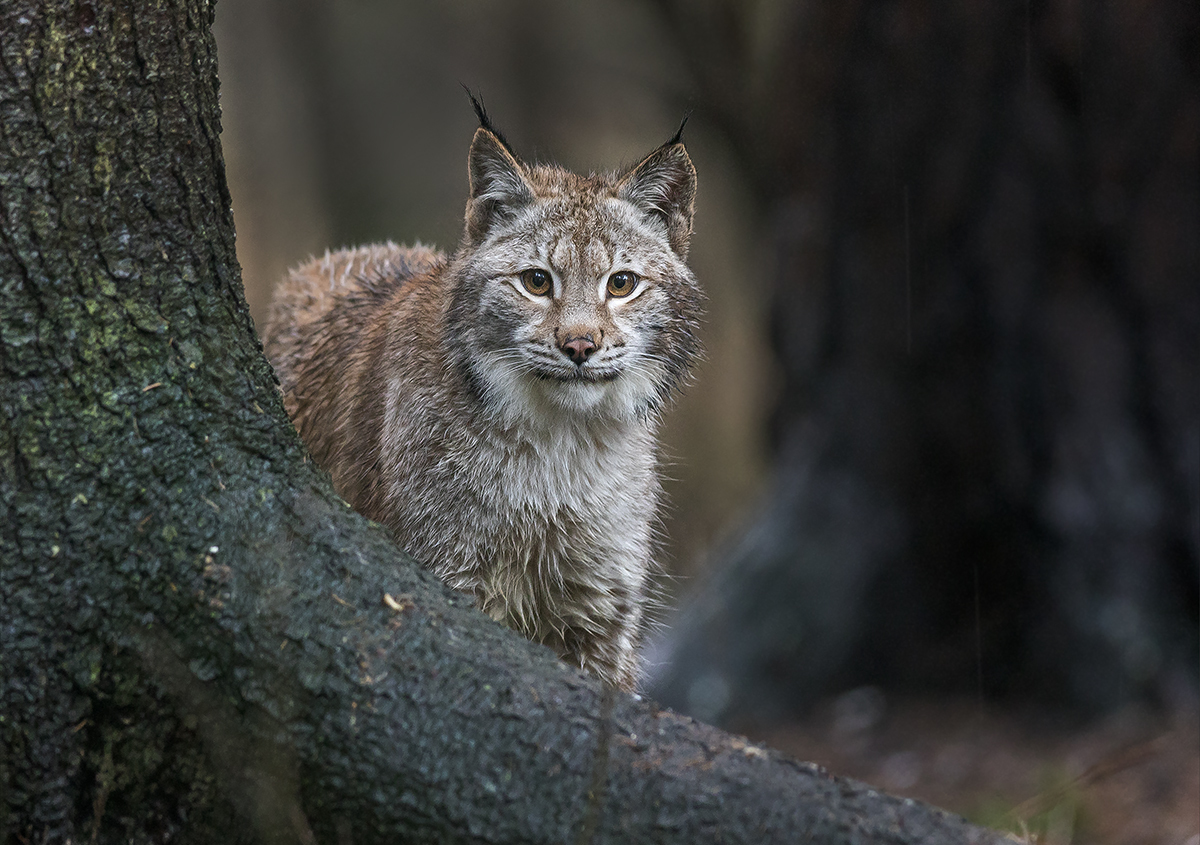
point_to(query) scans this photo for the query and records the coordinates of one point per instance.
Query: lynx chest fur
(497, 408)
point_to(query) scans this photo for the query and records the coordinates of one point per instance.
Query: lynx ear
(498, 183)
(663, 185)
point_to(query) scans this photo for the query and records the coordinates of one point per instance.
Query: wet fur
(435, 392)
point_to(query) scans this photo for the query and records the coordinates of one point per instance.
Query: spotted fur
(439, 394)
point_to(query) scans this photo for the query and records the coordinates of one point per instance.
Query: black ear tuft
(677, 138)
(486, 122)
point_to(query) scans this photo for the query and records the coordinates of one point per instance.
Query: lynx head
(572, 296)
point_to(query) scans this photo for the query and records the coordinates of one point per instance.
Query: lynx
(497, 409)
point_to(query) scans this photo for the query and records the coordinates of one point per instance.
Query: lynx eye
(622, 284)
(536, 281)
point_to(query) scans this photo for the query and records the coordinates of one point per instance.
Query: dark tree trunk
(199, 642)
(987, 313)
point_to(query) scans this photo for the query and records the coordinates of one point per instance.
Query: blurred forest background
(946, 439)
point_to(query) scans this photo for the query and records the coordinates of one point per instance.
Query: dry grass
(1131, 779)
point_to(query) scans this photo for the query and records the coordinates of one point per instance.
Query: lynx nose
(578, 348)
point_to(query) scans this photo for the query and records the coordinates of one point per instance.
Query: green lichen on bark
(112, 295)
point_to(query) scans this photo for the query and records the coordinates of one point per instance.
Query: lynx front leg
(611, 657)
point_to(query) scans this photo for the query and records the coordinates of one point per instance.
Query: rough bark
(200, 642)
(986, 312)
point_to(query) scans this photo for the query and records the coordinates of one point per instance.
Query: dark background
(946, 438)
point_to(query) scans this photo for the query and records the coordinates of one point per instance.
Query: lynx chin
(497, 408)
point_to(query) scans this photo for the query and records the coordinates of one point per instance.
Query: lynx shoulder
(497, 408)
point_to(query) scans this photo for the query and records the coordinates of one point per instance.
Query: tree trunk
(200, 642)
(987, 314)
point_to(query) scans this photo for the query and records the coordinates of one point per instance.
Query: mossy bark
(199, 641)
